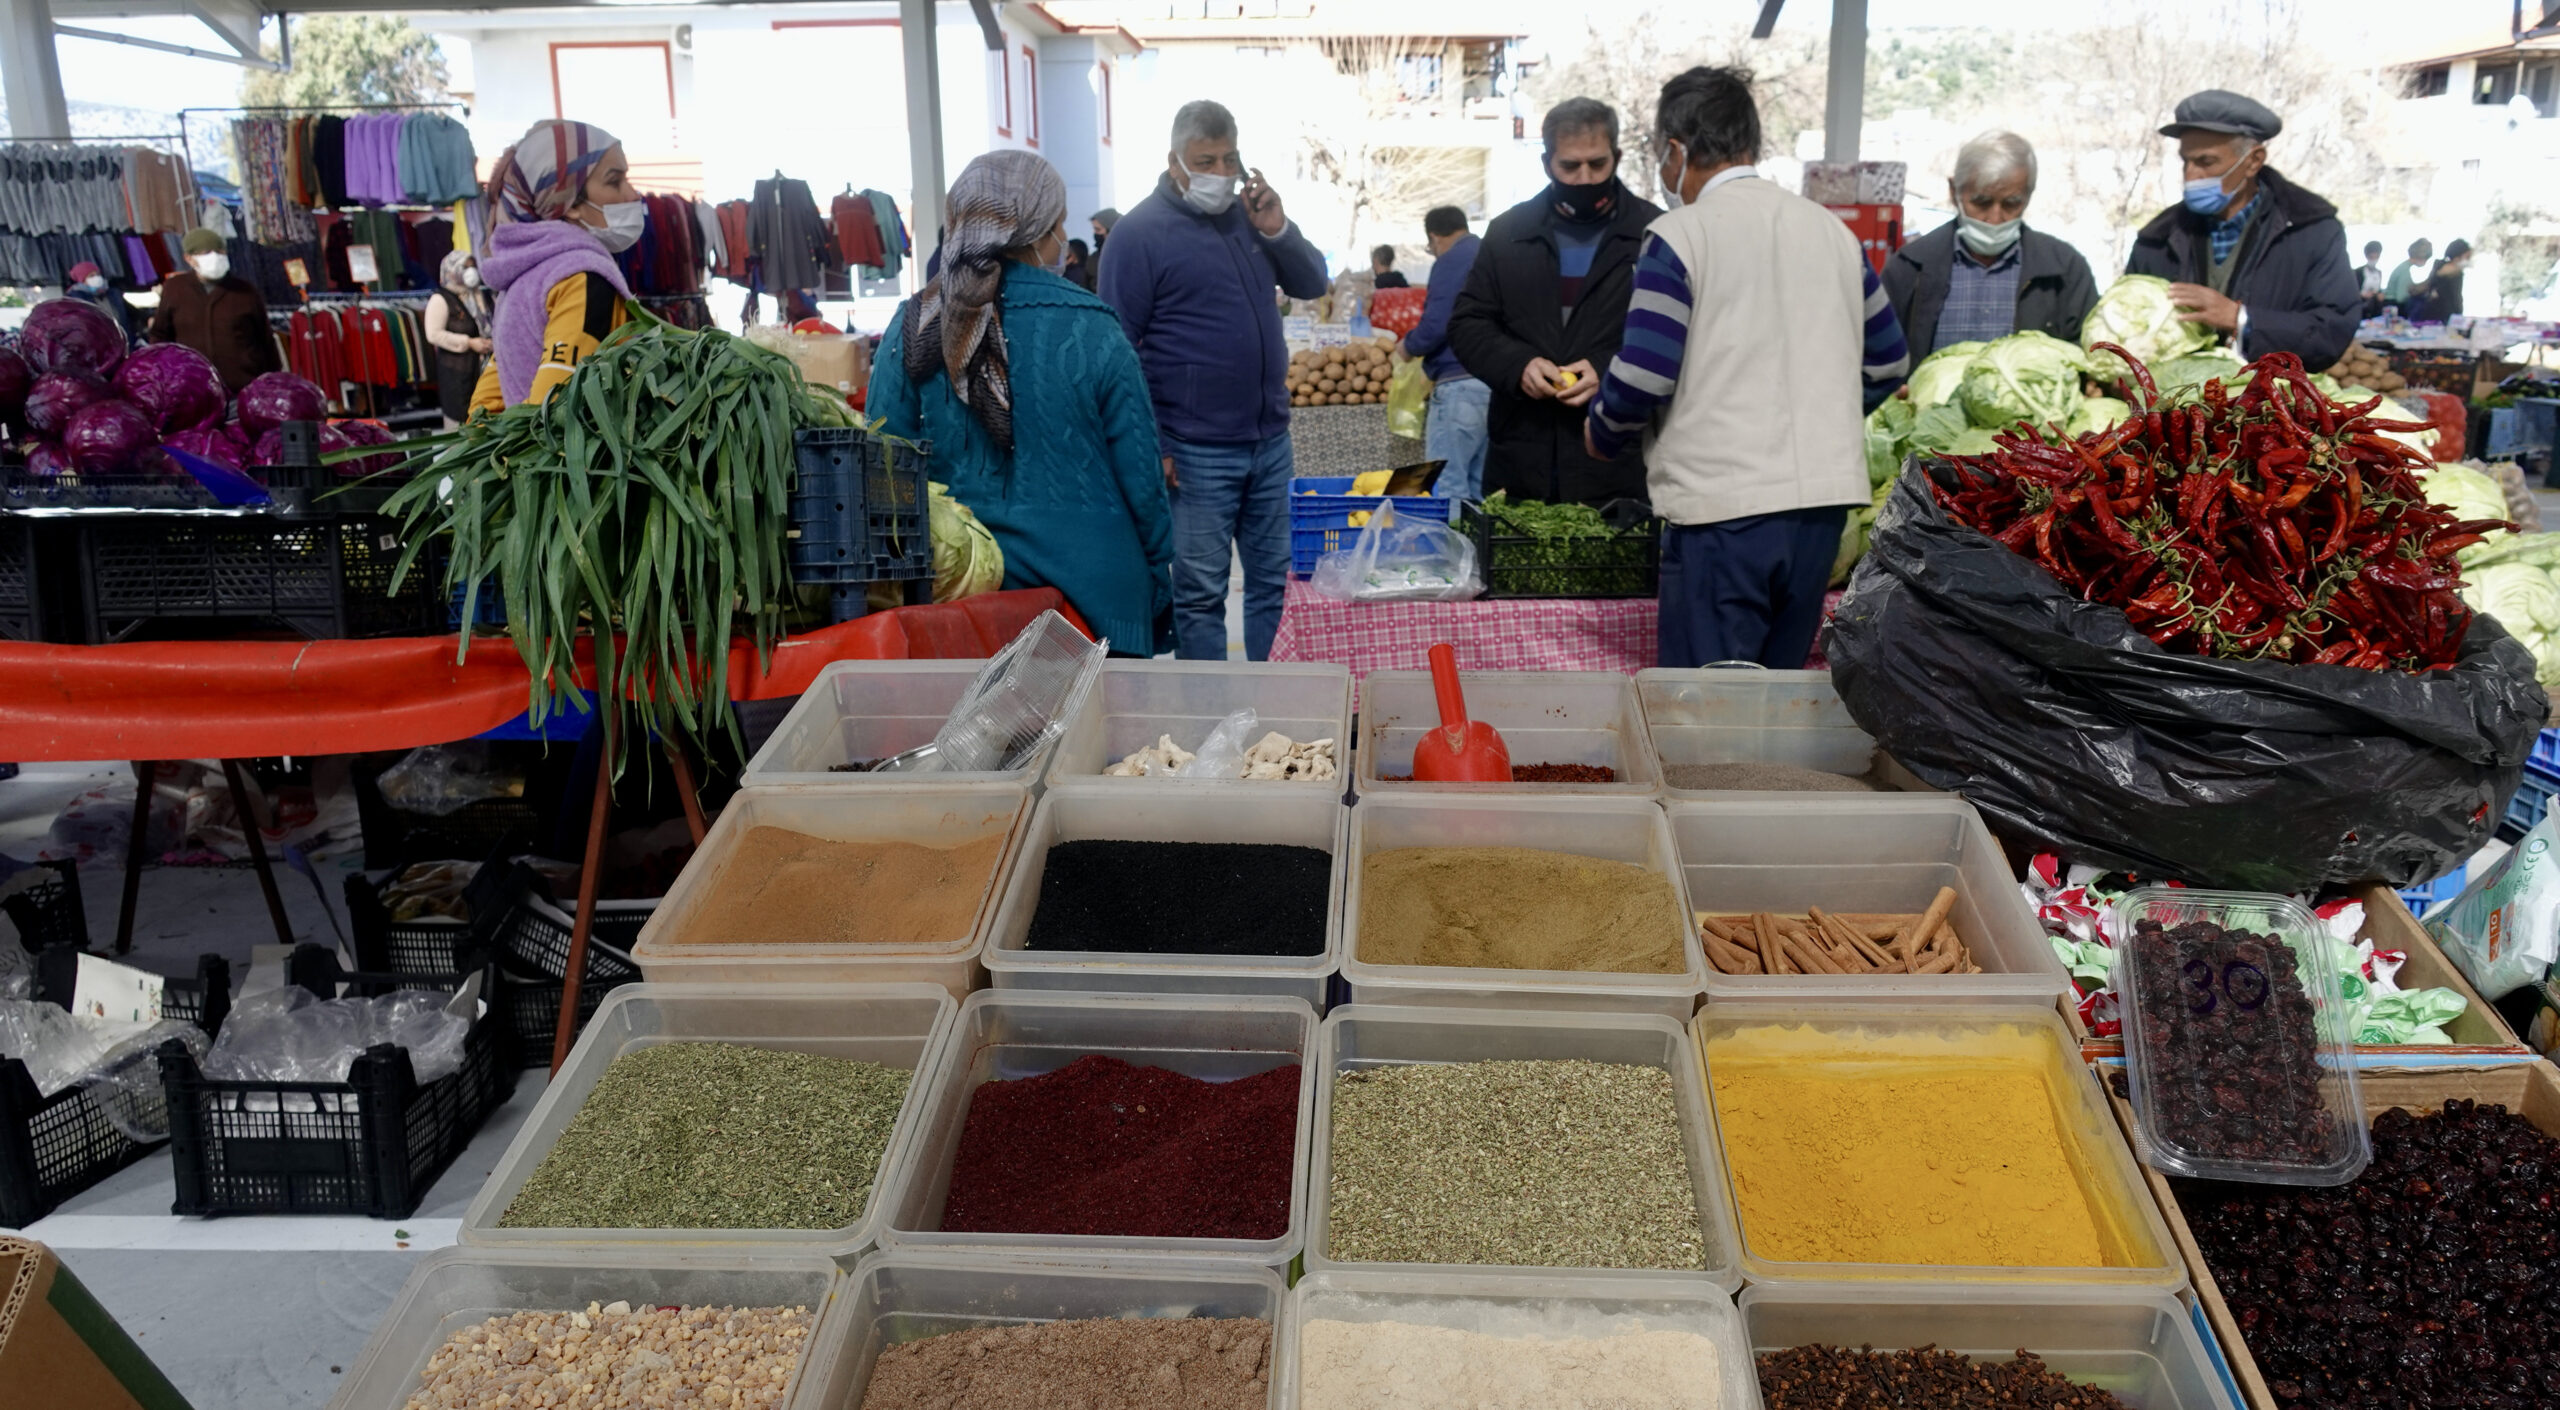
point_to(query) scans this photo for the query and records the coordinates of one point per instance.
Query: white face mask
(1985, 238)
(96, 283)
(623, 222)
(471, 277)
(1208, 193)
(1671, 199)
(210, 267)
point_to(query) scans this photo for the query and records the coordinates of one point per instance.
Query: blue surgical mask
(1988, 238)
(2205, 196)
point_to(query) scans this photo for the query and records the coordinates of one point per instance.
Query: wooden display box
(2531, 1089)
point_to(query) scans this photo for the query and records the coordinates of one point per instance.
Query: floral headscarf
(1002, 201)
(545, 172)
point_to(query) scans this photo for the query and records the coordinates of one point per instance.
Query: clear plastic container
(1618, 829)
(1554, 1307)
(1866, 1038)
(1864, 852)
(1007, 1034)
(897, 1025)
(1358, 1037)
(868, 710)
(455, 1288)
(1019, 704)
(2140, 1346)
(1749, 717)
(927, 813)
(896, 1297)
(2236, 997)
(1295, 817)
(1134, 702)
(1546, 717)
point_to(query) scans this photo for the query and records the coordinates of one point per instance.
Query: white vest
(1767, 413)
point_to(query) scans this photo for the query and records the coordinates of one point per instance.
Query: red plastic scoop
(1460, 750)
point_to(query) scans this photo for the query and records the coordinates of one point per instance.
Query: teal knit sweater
(1080, 504)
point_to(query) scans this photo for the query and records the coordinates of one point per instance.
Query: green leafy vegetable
(2135, 313)
(2030, 377)
(1564, 550)
(1934, 381)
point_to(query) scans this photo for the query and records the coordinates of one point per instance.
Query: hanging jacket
(2294, 275)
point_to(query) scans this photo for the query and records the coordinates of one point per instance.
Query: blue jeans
(1455, 433)
(1747, 589)
(1229, 493)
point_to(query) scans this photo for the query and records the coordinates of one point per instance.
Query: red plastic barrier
(254, 699)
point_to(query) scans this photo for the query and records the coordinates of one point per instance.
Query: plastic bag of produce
(1400, 560)
(2064, 725)
(2504, 929)
(1408, 398)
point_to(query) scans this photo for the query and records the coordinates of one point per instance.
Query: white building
(2478, 137)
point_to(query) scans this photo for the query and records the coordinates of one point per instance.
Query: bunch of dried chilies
(2270, 523)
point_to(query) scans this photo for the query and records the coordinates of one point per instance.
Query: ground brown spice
(1517, 908)
(1136, 1363)
(788, 887)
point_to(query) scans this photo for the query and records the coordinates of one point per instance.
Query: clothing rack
(188, 146)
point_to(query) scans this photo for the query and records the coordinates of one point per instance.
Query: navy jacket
(2294, 277)
(2055, 290)
(1194, 295)
(1429, 339)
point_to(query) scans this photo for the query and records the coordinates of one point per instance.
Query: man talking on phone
(1191, 274)
(1544, 310)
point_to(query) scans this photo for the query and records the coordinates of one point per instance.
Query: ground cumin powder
(1516, 908)
(1136, 1363)
(1947, 1163)
(788, 887)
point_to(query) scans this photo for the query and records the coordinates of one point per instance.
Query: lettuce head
(2031, 377)
(2135, 314)
(2095, 414)
(2525, 600)
(1934, 381)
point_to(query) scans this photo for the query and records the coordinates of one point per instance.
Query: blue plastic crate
(488, 612)
(2426, 894)
(2533, 798)
(858, 508)
(2546, 751)
(1320, 510)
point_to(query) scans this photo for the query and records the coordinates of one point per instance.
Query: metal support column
(916, 21)
(30, 74)
(1845, 96)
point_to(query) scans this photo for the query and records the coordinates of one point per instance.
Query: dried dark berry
(2229, 1045)
(2432, 1280)
(1834, 1378)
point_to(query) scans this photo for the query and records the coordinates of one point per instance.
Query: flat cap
(202, 241)
(2220, 110)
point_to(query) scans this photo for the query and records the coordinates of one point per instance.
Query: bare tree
(1625, 63)
(1362, 142)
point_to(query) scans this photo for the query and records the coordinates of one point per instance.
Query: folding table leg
(251, 806)
(589, 875)
(144, 771)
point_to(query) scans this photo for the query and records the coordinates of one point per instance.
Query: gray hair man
(1191, 273)
(2249, 254)
(1985, 274)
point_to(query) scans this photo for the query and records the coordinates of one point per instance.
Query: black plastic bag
(1979, 672)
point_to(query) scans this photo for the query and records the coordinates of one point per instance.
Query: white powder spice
(1402, 1366)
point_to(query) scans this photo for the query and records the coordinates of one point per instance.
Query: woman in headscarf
(564, 191)
(1032, 398)
(457, 324)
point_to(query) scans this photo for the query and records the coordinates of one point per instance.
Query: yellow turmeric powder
(1951, 1162)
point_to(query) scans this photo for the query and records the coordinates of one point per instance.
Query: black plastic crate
(52, 1148)
(175, 489)
(1625, 562)
(393, 837)
(21, 588)
(427, 945)
(531, 1011)
(49, 912)
(858, 508)
(370, 1146)
(322, 577)
(535, 937)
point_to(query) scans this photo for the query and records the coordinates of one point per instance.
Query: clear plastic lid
(2237, 1036)
(1019, 703)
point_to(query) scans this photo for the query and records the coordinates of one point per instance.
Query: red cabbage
(109, 436)
(367, 433)
(277, 397)
(174, 384)
(207, 443)
(46, 458)
(56, 397)
(69, 335)
(15, 376)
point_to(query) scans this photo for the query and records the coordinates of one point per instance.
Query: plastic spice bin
(1749, 717)
(455, 1288)
(897, 1297)
(1869, 1037)
(2241, 991)
(865, 710)
(1295, 817)
(1134, 702)
(1559, 1306)
(1359, 1037)
(897, 1025)
(1546, 717)
(1005, 1035)
(1864, 852)
(931, 815)
(2140, 1346)
(1618, 829)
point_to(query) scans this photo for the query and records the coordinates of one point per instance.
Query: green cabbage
(2097, 414)
(2135, 314)
(2465, 492)
(2031, 377)
(1888, 426)
(1973, 440)
(2194, 369)
(1935, 431)
(2525, 600)
(1935, 380)
(966, 557)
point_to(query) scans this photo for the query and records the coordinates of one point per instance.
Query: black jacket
(2295, 277)
(2055, 289)
(1509, 313)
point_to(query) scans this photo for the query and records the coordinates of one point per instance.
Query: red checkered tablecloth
(1512, 634)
